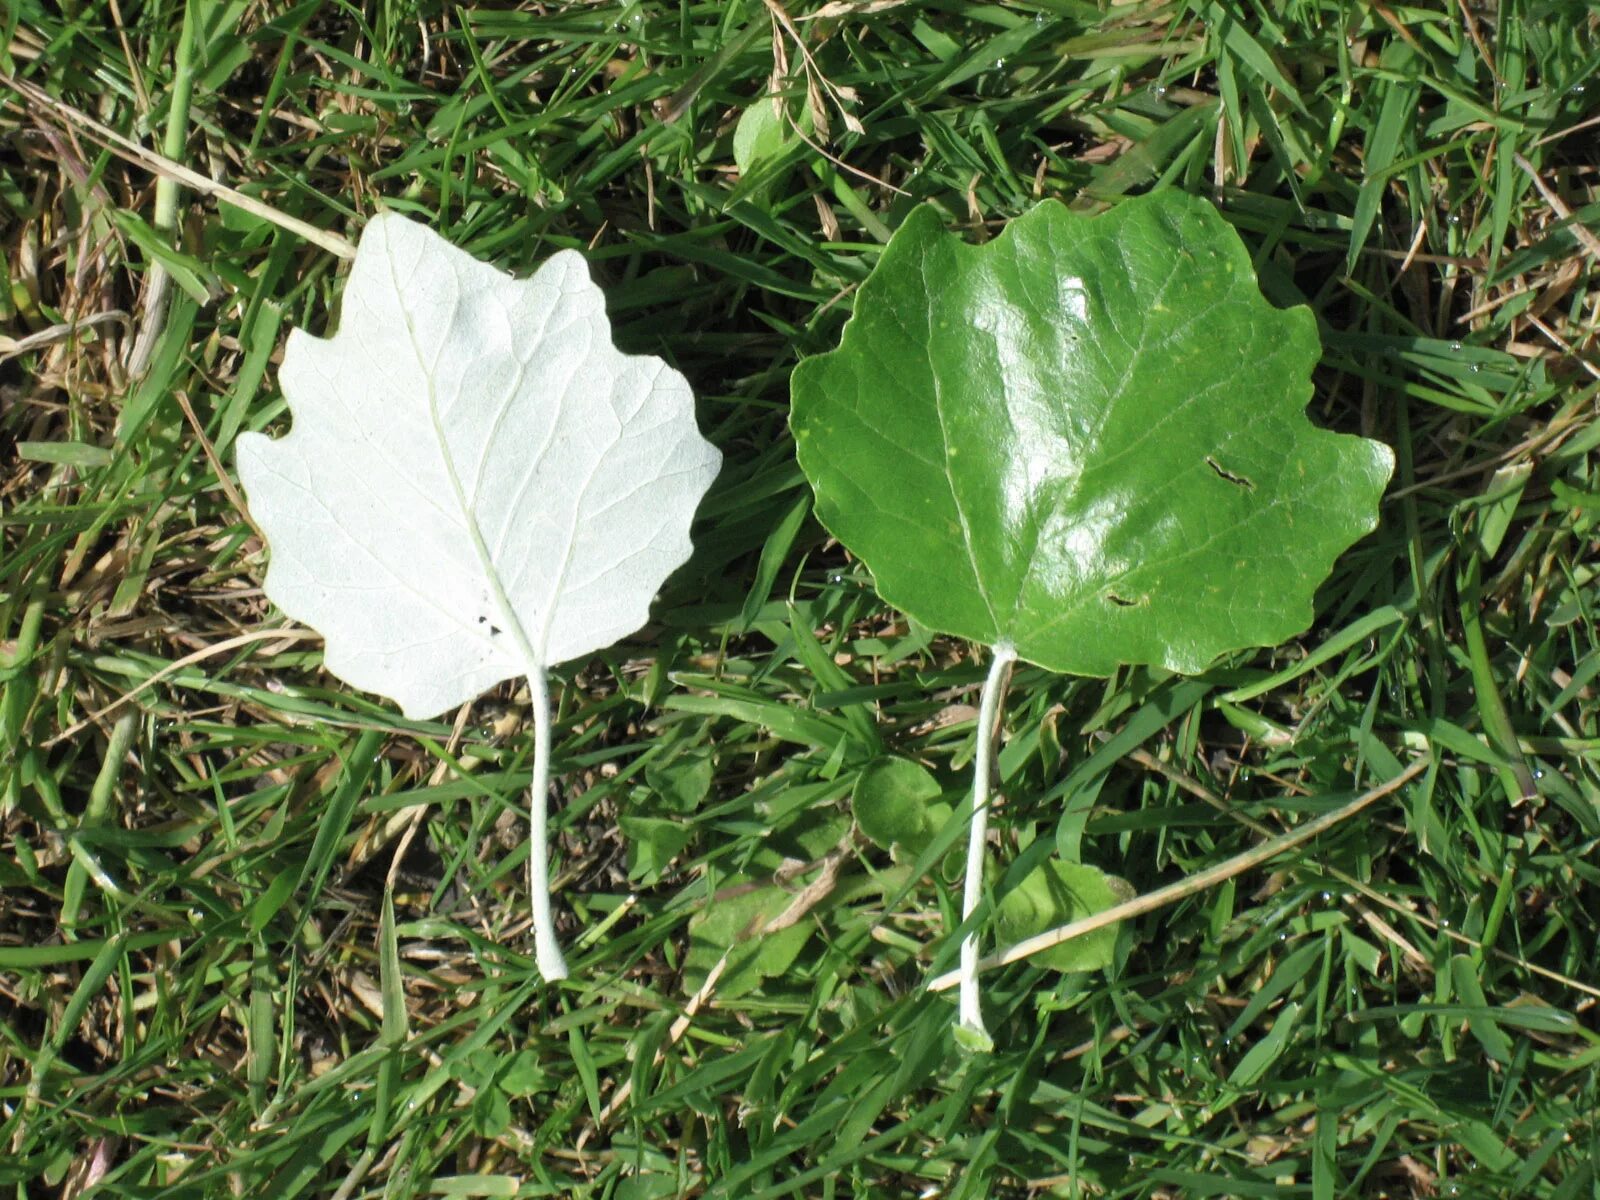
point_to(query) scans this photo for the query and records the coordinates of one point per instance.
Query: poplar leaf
(1085, 445)
(477, 483)
(1086, 440)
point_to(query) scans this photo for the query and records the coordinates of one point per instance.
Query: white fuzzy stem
(546, 950)
(994, 688)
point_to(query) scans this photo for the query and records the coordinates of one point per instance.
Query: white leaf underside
(477, 483)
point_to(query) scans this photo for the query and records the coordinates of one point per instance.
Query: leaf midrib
(533, 660)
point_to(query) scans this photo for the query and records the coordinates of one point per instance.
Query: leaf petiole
(546, 950)
(994, 689)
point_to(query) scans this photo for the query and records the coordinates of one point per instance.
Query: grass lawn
(262, 937)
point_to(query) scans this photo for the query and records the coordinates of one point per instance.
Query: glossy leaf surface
(477, 484)
(1086, 439)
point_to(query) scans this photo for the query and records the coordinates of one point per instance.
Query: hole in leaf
(1224, 473)
(1121, 601)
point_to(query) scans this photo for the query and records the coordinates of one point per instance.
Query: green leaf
(524, 1075)
(653, 842)
(491, 1112)
(681, 778)
(1086, 439)
(804, 831)
(1480, 1017)
(1054, 894)
(647, 1187)
(896, 804)
(974, 1040)
(1268, 1050)
(475, 1185)
(760, 135)
(187, 272)
(67, 454)
(735, 924)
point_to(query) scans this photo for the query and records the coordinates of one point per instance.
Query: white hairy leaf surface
(477, 483)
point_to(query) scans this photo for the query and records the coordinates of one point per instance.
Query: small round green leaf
(1086, 438)
(760, 135)
(1053, 895)
(891, 802)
